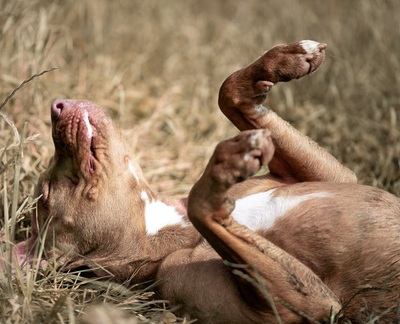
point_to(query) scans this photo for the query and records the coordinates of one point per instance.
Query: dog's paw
(236, 159)
(233, 161)
(247, 88)
(292, 61)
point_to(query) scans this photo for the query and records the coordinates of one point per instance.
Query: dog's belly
(331, 203)
(343, 232)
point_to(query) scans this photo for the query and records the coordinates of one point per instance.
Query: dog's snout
(56, 107)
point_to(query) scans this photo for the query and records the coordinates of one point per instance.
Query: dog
(302, 243)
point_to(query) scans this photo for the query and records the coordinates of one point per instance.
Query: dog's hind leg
(297, 157)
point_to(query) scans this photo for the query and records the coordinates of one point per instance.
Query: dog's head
(90, 201)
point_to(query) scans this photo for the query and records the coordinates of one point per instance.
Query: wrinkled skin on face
(88, 189)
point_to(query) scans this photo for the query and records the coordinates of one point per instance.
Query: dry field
(157, 67)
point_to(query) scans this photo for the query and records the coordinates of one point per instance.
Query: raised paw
(245, 90)
(240, 157)
(291, 61)
(233, 161)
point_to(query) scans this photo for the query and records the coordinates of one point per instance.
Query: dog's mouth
(76, 133)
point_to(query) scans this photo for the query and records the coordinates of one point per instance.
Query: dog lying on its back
(312, 238)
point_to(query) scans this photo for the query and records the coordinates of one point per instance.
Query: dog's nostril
(56, 107)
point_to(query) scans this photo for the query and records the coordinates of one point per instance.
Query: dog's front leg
(297, 157)
(291, 289)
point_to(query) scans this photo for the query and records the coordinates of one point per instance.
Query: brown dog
(296, 245)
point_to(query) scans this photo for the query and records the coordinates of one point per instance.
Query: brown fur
(313, 260)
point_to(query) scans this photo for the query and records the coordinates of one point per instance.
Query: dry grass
(157, 67)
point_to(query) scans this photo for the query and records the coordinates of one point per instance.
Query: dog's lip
(74, 133)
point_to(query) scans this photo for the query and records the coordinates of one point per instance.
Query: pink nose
(59, 105)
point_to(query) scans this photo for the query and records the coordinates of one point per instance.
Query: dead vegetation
(157, 66)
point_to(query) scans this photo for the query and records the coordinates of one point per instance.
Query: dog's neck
(167, 225)
(167, 229)
(162, 216)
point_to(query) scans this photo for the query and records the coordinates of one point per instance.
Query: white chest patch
(259, 211)
(159, 215)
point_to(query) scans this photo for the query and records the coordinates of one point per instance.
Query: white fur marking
(133, 170)
(259, 211)
(309, 46)
(88, 126)
(159, 215)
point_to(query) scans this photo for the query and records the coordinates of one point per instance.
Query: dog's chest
(259, 211)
